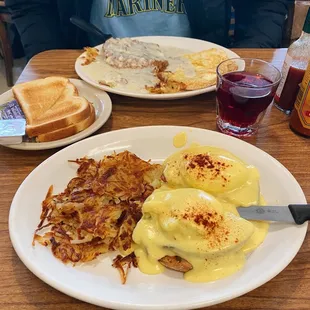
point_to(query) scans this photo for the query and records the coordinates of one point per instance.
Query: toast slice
(69, 91)
(69, 130)
(71, 111)
(38, 96)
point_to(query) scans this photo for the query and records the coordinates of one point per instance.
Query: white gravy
(135, 80)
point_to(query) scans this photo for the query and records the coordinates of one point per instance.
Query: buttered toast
(53, 108)
(69, 130)
(70, 112)
(36, 97)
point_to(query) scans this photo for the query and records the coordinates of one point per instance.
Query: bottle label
(286, 66)
(302, 104)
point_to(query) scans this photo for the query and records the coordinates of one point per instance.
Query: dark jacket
(44, 24)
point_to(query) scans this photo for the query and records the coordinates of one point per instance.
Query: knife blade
(296, 214)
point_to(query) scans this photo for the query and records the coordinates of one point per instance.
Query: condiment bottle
(296, 60)
(300, 119)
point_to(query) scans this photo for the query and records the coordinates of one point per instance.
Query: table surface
(20, 289)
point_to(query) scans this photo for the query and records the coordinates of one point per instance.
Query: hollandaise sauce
(180, 139)
(194, 217)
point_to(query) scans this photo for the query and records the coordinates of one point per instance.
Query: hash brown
(90, 56)
(99, 209)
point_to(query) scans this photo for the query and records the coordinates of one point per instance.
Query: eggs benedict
(215, 171)
(191, 223)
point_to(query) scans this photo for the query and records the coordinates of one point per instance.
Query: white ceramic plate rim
(103, 112)
(269, 274)
(163, 40)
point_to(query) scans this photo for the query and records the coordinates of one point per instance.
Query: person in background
(45, 24)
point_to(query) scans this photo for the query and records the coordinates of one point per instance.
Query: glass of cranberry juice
(243, 95)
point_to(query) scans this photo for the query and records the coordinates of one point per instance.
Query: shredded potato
(98, 210)
(90, 56)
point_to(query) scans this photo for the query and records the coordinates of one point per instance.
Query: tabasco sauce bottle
(296, 60)
(300, 119)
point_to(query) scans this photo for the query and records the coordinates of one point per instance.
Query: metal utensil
(296, 214)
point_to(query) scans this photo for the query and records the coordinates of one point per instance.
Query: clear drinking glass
(244, 95)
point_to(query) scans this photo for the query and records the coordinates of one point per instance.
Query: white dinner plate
(97, 282)
(103, 108)
(193, 45)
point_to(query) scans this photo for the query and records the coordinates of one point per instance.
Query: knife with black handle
(294, 213)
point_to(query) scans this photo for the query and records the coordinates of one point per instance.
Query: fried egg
(205, 63)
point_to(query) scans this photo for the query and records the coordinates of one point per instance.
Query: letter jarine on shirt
(117, 8)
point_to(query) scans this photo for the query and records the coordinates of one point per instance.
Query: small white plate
(103, 108)
(193, 45)
(99, 283)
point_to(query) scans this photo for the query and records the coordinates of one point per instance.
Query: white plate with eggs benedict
(188, 222)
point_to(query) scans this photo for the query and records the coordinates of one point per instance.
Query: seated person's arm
(38, 24)
(259, 23)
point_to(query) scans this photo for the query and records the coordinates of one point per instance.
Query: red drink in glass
(243, 97)
(241, 106)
